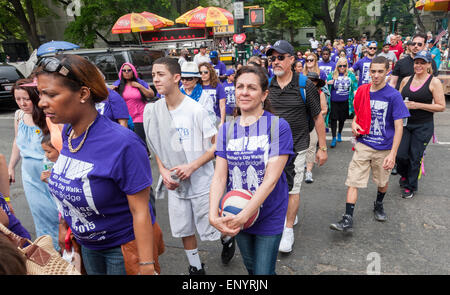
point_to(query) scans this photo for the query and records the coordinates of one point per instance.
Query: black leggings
(333, 124)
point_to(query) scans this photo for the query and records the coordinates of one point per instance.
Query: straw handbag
(41, 257)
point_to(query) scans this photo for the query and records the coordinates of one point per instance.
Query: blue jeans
(259, 252)
(103, 262)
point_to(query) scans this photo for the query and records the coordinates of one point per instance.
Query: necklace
(69, 140)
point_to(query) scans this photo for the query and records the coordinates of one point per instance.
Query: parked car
(109, 60)
(8, 76)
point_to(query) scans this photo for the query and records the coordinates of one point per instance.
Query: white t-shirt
(195, 130)
(314, 43)
(199, 58)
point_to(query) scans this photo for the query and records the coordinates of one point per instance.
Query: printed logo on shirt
(378, 122)
(342, 85)
(100, 106)
(366, 73)
(231, 99)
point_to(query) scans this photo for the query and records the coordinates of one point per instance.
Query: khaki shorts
(311, 151)
(294, 173)
(363, 160)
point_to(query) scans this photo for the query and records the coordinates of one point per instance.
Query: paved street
(414, 240)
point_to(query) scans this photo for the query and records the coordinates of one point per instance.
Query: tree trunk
(28, 26)
(419, 21)
(347, 23)
(330, 25)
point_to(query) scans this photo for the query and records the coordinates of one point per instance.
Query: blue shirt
(363, 66)
(231, 98)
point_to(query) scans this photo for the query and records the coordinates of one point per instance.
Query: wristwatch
(323, 148)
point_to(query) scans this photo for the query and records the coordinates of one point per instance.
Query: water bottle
(405, 120)
(48, 165)
(174, 176)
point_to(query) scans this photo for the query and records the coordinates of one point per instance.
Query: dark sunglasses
(54, 65)
(417, 43)
(126, 70)
(310, 60)
(204, 72)
(279, 57)
(187, 78)
(373, 48)
(342, 66)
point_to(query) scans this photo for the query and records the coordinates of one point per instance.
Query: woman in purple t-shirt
(102, 178)
(258, 135)
(213, 88)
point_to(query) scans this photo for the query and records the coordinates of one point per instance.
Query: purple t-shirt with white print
(215, 94)
(230, 104)
(247, 153)
(363, 66)
(91, 185)
(114, 107)
(340, 90)
(387, 106)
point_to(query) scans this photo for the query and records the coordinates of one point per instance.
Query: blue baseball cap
(424, 54)
(372, 43)
(229, 72)
(213, 54)
(282, 47)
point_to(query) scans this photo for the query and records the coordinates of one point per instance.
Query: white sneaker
(309, 177)
(287, 240)
(295, 221)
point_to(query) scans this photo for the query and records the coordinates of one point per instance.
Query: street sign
(178, 34)
(223, 30)
(239, 10)
(256, 16)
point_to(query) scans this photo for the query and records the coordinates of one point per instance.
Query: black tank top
(422, 95)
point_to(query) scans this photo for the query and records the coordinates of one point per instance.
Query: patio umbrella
(54, 46)
(183, 18)
(433, 5)
(139, 22)
(209, 17)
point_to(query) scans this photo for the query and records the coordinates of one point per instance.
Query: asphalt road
(414, 239)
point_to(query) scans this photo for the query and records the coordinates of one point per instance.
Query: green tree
(100, 16)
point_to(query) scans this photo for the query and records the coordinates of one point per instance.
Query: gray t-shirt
(390, 55)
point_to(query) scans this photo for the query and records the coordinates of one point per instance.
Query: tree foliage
(98, 17)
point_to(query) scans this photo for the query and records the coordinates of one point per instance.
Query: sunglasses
(126, 70)
(204, 72)
(187, 78)
(310, 60)
(372, 48)
(342, 66)
(417, 43)
(54, 65)
(279, 57)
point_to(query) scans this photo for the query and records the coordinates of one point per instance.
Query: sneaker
(402, 181)
(407, 194)
(339, 138)
(333, 142)
(345, 225)
(394, 170)
(228, 250)
(194, 271)
(308, 177)
(379, 211)
(287, 240)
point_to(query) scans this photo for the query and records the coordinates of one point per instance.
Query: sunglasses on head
(54, 65)
(417, 43)
(187, 78)
(279, 57)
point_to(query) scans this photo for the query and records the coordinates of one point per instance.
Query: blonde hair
(316, 65)
(340, 61)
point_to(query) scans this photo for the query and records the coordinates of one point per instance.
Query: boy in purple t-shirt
(229, 88)
(376, 149)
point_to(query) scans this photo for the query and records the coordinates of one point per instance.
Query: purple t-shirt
(215, 94)
(340, 90)
(231, 98)
(220, 68)
(349, 50)
(387, 106)
(363, 66)
(14, 224)
(327, 67)
(247, 153)
(91, 185)
(114, 107)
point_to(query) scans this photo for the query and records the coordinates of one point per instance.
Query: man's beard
(279, 72)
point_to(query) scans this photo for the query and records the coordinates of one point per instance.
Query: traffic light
(256, 16)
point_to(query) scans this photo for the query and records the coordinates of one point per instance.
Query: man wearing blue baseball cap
(363, 65)
(285, 95)
(219, 66)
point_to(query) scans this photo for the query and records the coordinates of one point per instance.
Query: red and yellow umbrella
(206, 17)
(433, 5)
(140, 22)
